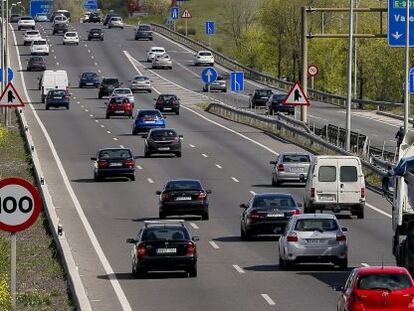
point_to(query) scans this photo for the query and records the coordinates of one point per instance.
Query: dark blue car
(89, 79)
(57, 98)
(146, 120)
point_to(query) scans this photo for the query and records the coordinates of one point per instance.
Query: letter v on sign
(10, 97)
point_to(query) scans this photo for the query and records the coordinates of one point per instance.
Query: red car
(119, 106)
(377, 288)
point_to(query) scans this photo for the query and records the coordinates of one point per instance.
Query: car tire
(97, 177)
(149, 91)
(107, 116)
(147, 154)
(134, 132)
(67, 107)
(132, 177)
(343, 264)
(205, 216)
(360, 214)
(178, 154)
(139, 273)
(100, 96)
(224, 91)
(177, 112)
(192, 272)
(162, 215)
(63, 43)
(47, 107)
(242, 233)
(275, 183)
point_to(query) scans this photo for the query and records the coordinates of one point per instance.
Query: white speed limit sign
(313, 70)
(20, 204)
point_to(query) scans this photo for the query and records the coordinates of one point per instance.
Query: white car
(71, 37)
(26, 22)
(85, 16)
(140, 83)
(162, 61)
(39, 47)
(155, 50)
(60, 19)
(116, 22)
(204, 58)
(41, 17)
(30, 36)
(124, 91)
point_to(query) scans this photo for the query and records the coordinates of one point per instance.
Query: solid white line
(115, 138)
(82, 106)
(378, 210)
(238, 269)
(150, 180)
(194, 225)
(235, 179)
(57, 63)
(86, 110)
(252, 192)
(268, 299)
(364, 264)
(92, 57)
(88, 50)
(97, 121)
(99, 251)
(204, 155)
(139, 167)
(212, 243)
(219, 166)
(192, 146)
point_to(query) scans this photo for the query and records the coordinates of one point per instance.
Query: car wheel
(97, 177)
(343, 264)
(149, 91)
(242, 233)
(63, 43)
(107, 116)
(132, 177)
(205, 216)
(288, 264)
(360, 214)
(178, 154)
(139, 273)
(47, 107)
(275, 183)
(18, 28)
(177, 112)
(193, 272)
(225, 91)
(161, 215)
(134, 132)
(100, 96)
(67, 107)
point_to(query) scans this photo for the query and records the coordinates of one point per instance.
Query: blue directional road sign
(169, 21)
(10, 75)
(237, 81)
(90, 4)
(175, 12)
(210, 28)
(396, 23)
(40, 6)
(209, 75)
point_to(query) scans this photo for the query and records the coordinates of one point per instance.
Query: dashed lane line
(213, 244)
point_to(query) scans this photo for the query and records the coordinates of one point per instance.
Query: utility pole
(6, 61)
(304, 109)
(356, 54)
(2, 51)
(407, 68)
(349, 88)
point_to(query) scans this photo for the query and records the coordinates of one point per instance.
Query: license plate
(89, 83)
(164, 148)
(316, 241)
(167, 108)
(163, 251)
(57, 97)
(150, 122)
(183, 199)
(275, 215)
(297, 169)
(327, 197)
(119, 111)
(115, 164)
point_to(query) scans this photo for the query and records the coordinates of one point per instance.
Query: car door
(346, 292)
(349, 181)
(326, 181)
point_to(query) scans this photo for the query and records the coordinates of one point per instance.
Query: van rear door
(326, 186)
(350, 181)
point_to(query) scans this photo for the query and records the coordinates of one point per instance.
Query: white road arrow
(396, 35)
(209, 74)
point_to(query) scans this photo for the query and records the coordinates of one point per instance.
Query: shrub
(5, 298)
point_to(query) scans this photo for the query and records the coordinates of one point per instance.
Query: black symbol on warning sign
(298, 96)
(10, 96)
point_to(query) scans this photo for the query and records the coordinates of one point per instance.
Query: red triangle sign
(10, 97)
(186, 14)
(296, 96)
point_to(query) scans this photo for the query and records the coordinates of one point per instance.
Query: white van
(53, 79)
(336, 183)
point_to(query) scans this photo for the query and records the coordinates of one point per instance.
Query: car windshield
(165, 56)
(149, 114)
(110, 81)
(140, 78)
(274, 201)
(263, 93)
(115, 153)
(183, 185)
(296, 158)
(167, 97)
(71, 34)
(220, 78)
(165, 234)
(57, 93)
(39, 43)
(316, 225)
(89, 75)
(122, 91)
(163, 134)
(26, 19)
(388, 281)
(95, 31)
(204, 54)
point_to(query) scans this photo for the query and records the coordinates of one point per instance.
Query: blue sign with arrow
(10, 74)
(237, 81)
(175, 12)
(209, 75)
(397, 18)
(210, 28)
(90, 4)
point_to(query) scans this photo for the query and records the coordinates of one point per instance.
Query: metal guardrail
(263, 78)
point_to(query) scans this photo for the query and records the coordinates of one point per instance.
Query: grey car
(290, 167)
(140, 83)
(163, 141)
(162, 61)
(313, 238)
(219, 85)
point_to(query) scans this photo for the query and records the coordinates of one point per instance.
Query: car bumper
(259, 102)
(94, 84)
(24, 26)
(166, 263)
(95, 38)
(267, 227)
(214, 87)
(204, 62)
(336, 207)
(183, 207)
(71, 41)
(143, 37)
(292, 177)
(163, 148)
(162, 65)
(38, 52)
(36, 67)
(140, 87)
(147, 127)
(326, 253)
(167, 109)
(113, 172)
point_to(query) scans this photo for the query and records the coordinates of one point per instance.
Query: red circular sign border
(37, 204)
(317, 70)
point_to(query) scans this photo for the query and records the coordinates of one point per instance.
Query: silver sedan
(140, 83)
(313, 238)
(162, 61)
(125, 92)
(290, 167)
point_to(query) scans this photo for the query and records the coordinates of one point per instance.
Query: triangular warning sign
(186, 14)
(10, 97)
(296, 96)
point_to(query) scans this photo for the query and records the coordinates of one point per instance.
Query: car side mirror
(344, 229)
(243, 206)
(164, 116)
(273, 162)
(93, 158)
(158, 192)
(195, 238)
(339, 288)
(131, 241)
(208, 191)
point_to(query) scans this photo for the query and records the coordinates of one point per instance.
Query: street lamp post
(349, 89)
(407, 68)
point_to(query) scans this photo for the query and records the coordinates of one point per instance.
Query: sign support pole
(349, 88)
(13, 270)
(6, 61)
(186, 27)
(304, 109)
(407, 68)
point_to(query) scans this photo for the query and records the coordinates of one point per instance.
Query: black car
(164, 246)
(36, 63)
(275, 104)
(167, 102)
(163, 141)
(260, 97)
(60, 28)
(143, 32)
(183, 197)
(89, 79)
(57, 98)
(14, 18)
(93, 18)
(267, 213)
(107, 86)
(114, 162)
(95, 34)
(108, 18)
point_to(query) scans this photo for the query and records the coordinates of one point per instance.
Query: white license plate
(275, 215)
(168, 109)
(163, 251)
(327, 197)
(57, 97)
(316, 241)
(89, 83)
(119, 111)
(297, 169)
(115, 164)
(150, 122)
(164, 148)
(183, 199)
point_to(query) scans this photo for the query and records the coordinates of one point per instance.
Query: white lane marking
(364, 264)
(86, 110)
(252, 192)
(97, 121)
(150, 180)
(88, 50)
(213, 244)
(194, 225)
(139, 167)
(219, 166)
(121, 146)
(204, 155)
(57, 63)
(378, 210)
(115, 138)
(88, 228)
(82, 106)
(96, 64)
(54, 56)
(235, 179)
(238, 269)
(192, 146)
(109, 132)
(268, 299)
(78, 103)
(99, 70)
(91, 115)
(92, 57)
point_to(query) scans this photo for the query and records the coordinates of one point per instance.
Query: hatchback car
(60, 19)
(204, 58)
(30, 36)
(164, 246)
(89, 79)
(275, 104)
(125, 92)
(108, 17)
(114, 162)
(140, 83)
(93, 18)
(119, 106)
(107, 86)
(39, 47)
(154, 51)
(260, 97)
(315, 238)
(14, 18)
(57, 98)
(60, 28)
(36, 63)
(26, 22)
(377, 288)
(162, 61)
(95, 34)
(290, 167)
(163, 141)
(71, 37)
(116, 22)
(41, 17)
(183, 197)
(219, 85)
(267, 213)
(146, 120)
(143, 32)
(168, 102)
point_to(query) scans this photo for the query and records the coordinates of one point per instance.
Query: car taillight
(129, 163)
(103, 163)
(312, 192)
(341, 237)
(191, 249)
(362, 193)
(202, 195)
(141, 250)
(165, 197)
(280, 168)
(253, 215)
(292, 237)
(296, 212)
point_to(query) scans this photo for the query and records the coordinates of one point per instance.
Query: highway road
(230, 159)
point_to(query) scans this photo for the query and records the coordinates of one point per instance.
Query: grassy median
(41, 282)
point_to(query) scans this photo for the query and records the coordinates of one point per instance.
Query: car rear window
(115, 19)
(122, 91)
(167, 97)
(205, 54)
(296, 158)
(270, 202)
(146, 114)
(327, 174)
(95, 30)
(278, 98)
(349, 174)
(89, 75)
(140, 78)
(389, 281)
(263, 92)
(119, 100)
(316, 225)
(144, 28)
(158, 51)
(39, 42)
(110, 81)
(59, 93)
(163, 133)
(165, 234)
(36, 58)
(26, 19)
(71, 34)
(32, 33)
(115, 153)
(183, 185)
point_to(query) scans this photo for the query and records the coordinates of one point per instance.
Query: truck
(53, 79)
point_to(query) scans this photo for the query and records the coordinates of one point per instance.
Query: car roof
(315, 216)
(157, 47)
(145, 110)
(183, 179)
(122, 88)
(114, 148)
(294, 153)
(88, 72)
(166, 95)
(110, 78)
(281, 194)
(204, 51)
(263, 89)
(162, 129)
(381, 270)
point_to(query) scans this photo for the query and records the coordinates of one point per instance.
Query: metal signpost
(208, 76)
(174, 14)
(186, 15)
(210, 29)
(20, 206)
